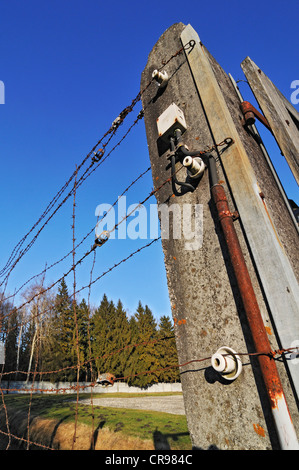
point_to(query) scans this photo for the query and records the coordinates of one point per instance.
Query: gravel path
(173, 404)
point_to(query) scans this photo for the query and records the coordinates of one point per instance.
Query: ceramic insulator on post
(227, 363)
(195, 166)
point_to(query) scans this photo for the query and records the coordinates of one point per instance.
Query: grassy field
(53, 420)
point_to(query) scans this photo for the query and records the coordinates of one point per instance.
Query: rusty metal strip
(250, 113)
(268, 366)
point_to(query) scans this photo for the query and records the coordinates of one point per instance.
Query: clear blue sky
(69, 67)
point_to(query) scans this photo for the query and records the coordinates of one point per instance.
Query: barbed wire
(51, 204)
(93, 359)
(168, 180)
(77, 388)
(98, 156)
(85, 175)
(25, 441)
(271, 354)
(82, 240)
(109, 133)
(33, 316)
(153, 192)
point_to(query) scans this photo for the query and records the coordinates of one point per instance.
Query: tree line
(56, 338)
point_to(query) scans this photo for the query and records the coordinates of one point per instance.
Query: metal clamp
(101, 239)
(106, 379)
(250, 113)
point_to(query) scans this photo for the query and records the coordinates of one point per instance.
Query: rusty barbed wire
(53, 201)
(26, 441)
(272, 354)
(82, 178)
(168, 180)
(96, 161)
(82, 240)
(104, 356)
(75, 309)
(32, 316)
(111, 131)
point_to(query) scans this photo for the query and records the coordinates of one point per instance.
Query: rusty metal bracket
(234, 215)
(98, 155)
(106, 379)
(101, 239)
(250, 114)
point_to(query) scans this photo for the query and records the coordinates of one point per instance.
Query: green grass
(136, 423)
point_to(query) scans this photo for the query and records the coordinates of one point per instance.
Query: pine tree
(67, 332)
(84, 338)
(144, 358)
(122, 338)
(125, 347)
(103, 332)
(167, 351)
(59, 352)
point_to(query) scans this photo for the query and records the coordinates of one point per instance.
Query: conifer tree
(144, 358)
(122, 339)
(60, 350)
(103, 331)
(167, 351)
(51, 356)
(67, 332)
(125, 347)
(84, 337)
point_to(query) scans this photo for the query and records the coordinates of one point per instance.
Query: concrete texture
(206, 304)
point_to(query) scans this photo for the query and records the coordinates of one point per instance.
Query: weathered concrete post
(206, 304)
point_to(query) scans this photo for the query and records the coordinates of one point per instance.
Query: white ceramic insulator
(227, 363)
(223, 364)
(104, 235)
(160, 77)
(195, 166)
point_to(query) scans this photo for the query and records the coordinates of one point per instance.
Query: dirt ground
(173, 404)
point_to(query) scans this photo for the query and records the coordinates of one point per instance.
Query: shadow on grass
(55, 429)
(161, 440)
(94, 437)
